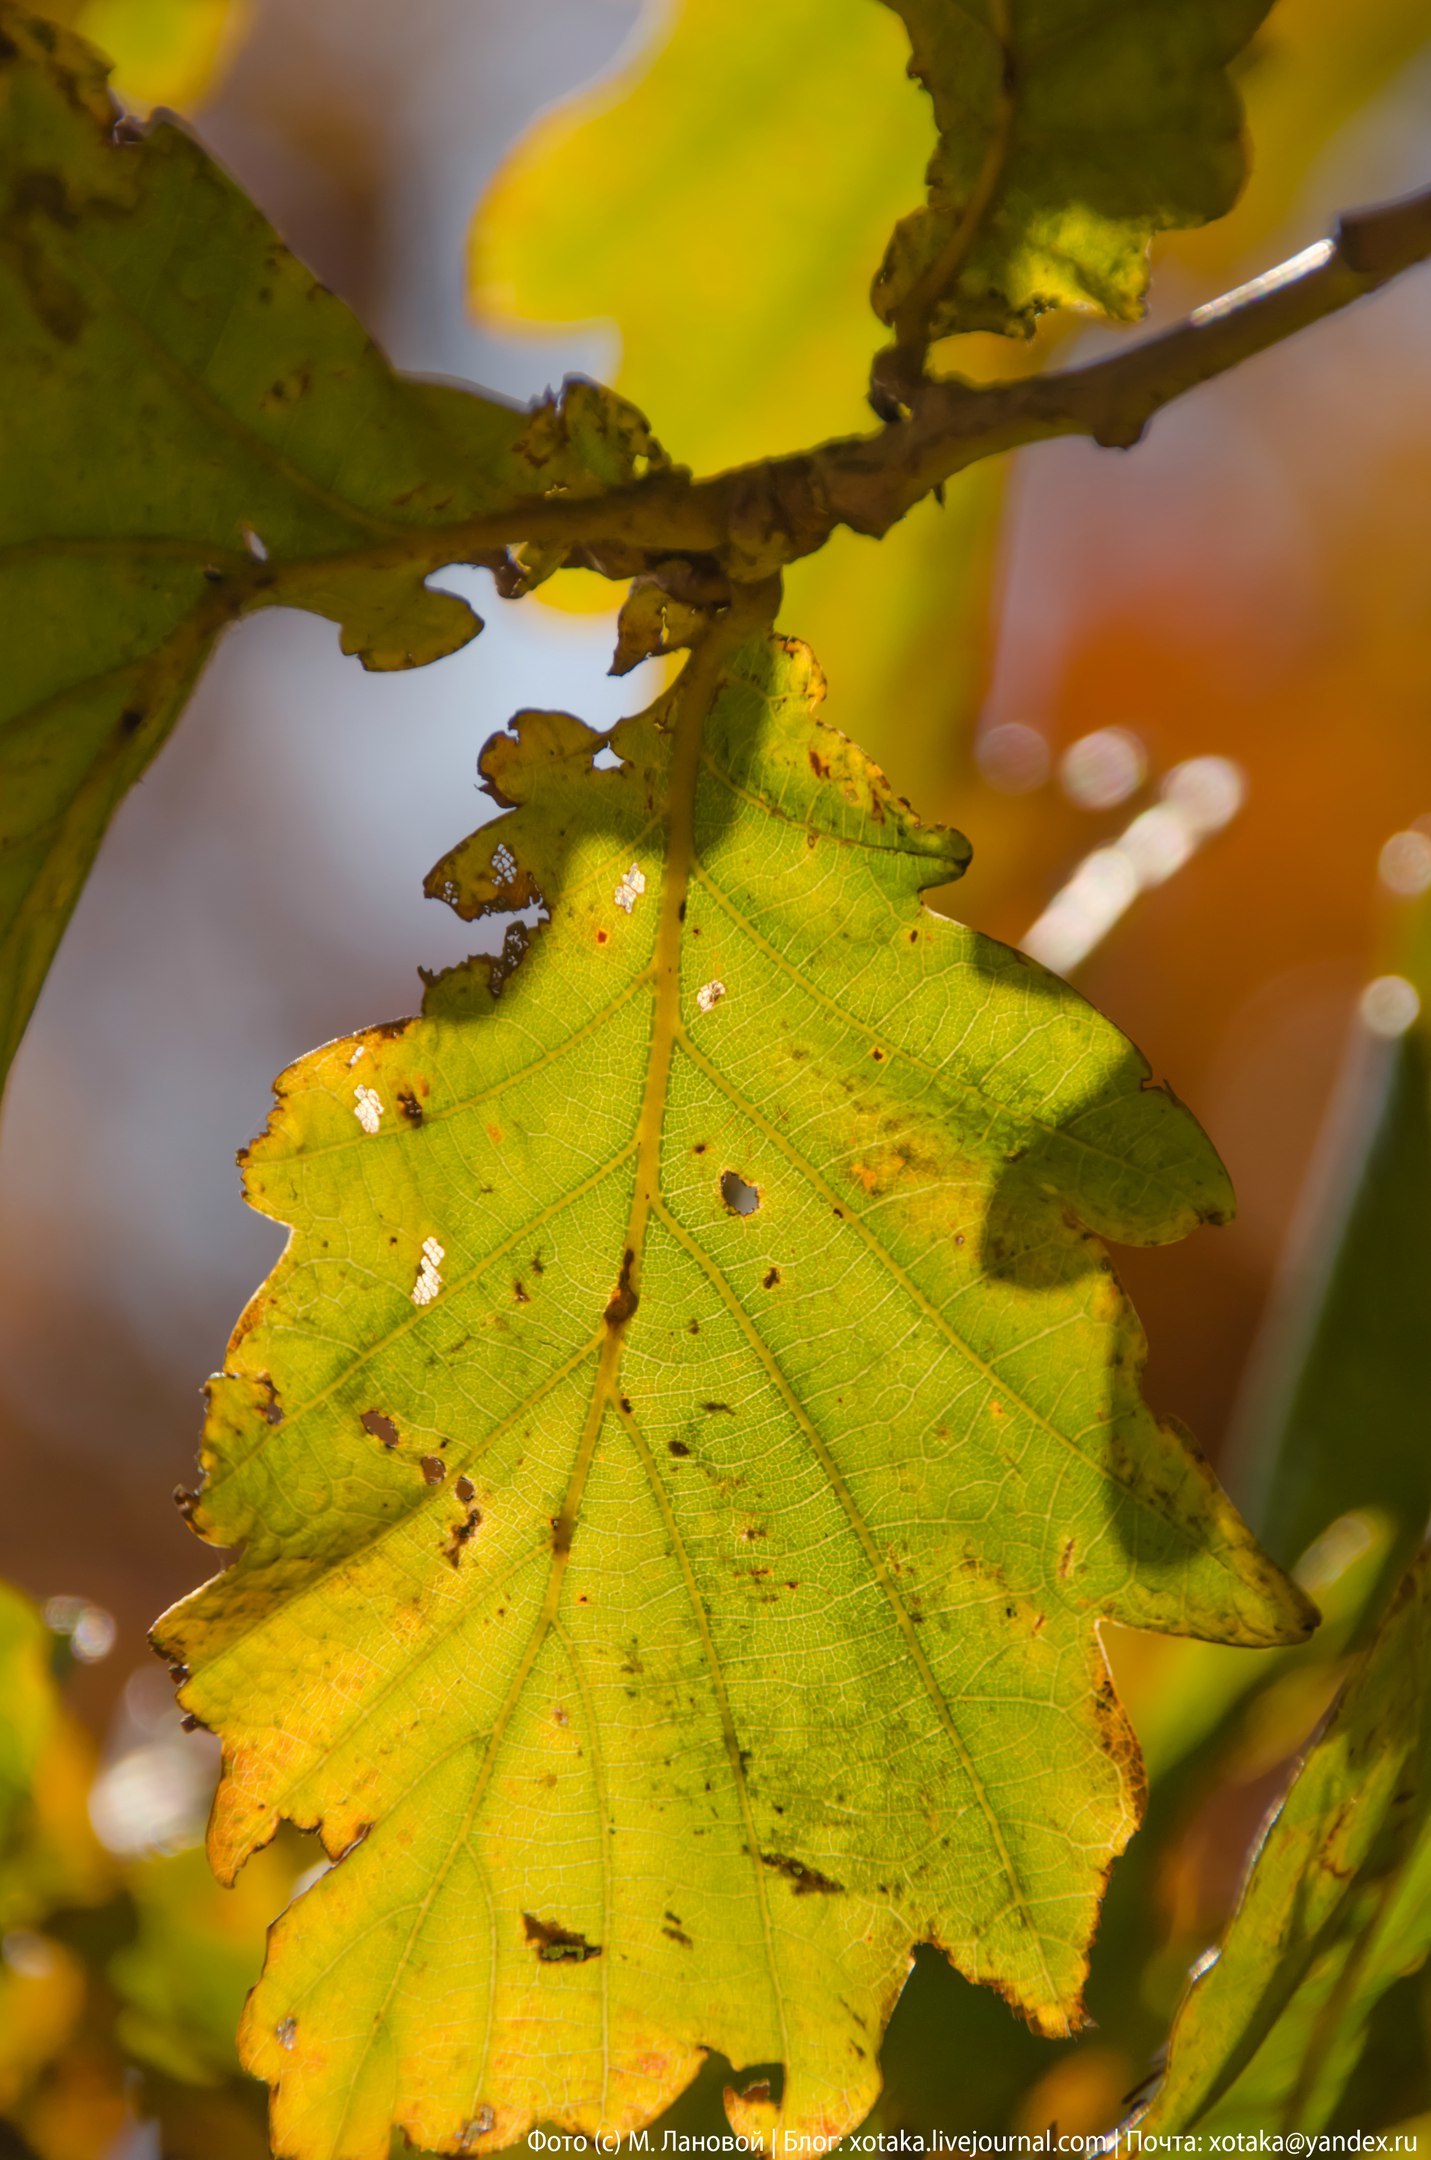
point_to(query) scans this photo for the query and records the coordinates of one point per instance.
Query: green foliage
(117, 1978)
(206, 431)
(539, 1450)
(702, 131)
(1331, 1421)
(1337, 1908)
(1068, 136)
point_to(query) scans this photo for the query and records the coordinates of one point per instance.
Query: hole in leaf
(739, 1196)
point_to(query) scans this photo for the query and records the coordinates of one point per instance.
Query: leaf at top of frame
(1070, 132)
(718, 202)
(739, 299)
(684, 1455)
(196, 428)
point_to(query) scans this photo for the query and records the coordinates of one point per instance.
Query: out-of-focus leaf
(196, 429)
(28, 1714)
(42, 1993)
(1335, 1417)
(768, 167)
(720, 202)
(48, 1852)
(165, 52)
(1068, 135)
(1311, 72)
(669, 1350)
(1195, 1695)
(1337, 1907)
(196, 1952)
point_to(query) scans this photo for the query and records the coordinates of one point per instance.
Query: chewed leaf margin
(1068, 137)
(543, 1454)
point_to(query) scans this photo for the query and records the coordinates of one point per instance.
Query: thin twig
(755, 518)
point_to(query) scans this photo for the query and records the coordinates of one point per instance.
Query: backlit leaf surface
(1337, 1908)
(1069, 134)
(195, 428)
(739, 298)
(683, 1456)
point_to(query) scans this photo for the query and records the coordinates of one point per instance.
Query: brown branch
(756, 518)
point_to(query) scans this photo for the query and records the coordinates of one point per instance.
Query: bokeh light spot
(1103, 768)
(1389, 1005)
(1012, 758)
(1405, 864)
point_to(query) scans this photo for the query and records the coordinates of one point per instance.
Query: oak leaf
(685, 1455)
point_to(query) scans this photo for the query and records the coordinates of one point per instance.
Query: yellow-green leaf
(195, 428)
(1337, 1907)
(763, 209)
(1068, 135)
(48, 1853)
(181, 1978)
(165, 52)
(719, 203)
(684, 1456)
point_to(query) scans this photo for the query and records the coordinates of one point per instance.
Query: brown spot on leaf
(380, 1426)
(465, 1490)
(807, 1881)
(461, 1532)
(677, 1447)
(624, 1299)
(434, 1469)
(557, 1945)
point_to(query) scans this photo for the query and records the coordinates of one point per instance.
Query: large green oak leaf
(684, 1457)
(1070, 132)
(195, 428)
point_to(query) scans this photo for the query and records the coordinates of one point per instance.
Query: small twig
(756, 518)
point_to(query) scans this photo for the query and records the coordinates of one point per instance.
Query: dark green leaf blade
(1069, 134)
(195, 428)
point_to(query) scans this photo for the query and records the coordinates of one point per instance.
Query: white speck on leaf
(429, 1281)
(709, 994)
(355, 1057)
(369, 1111)
(286, 2033)
(504, 864)
(629, 891)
